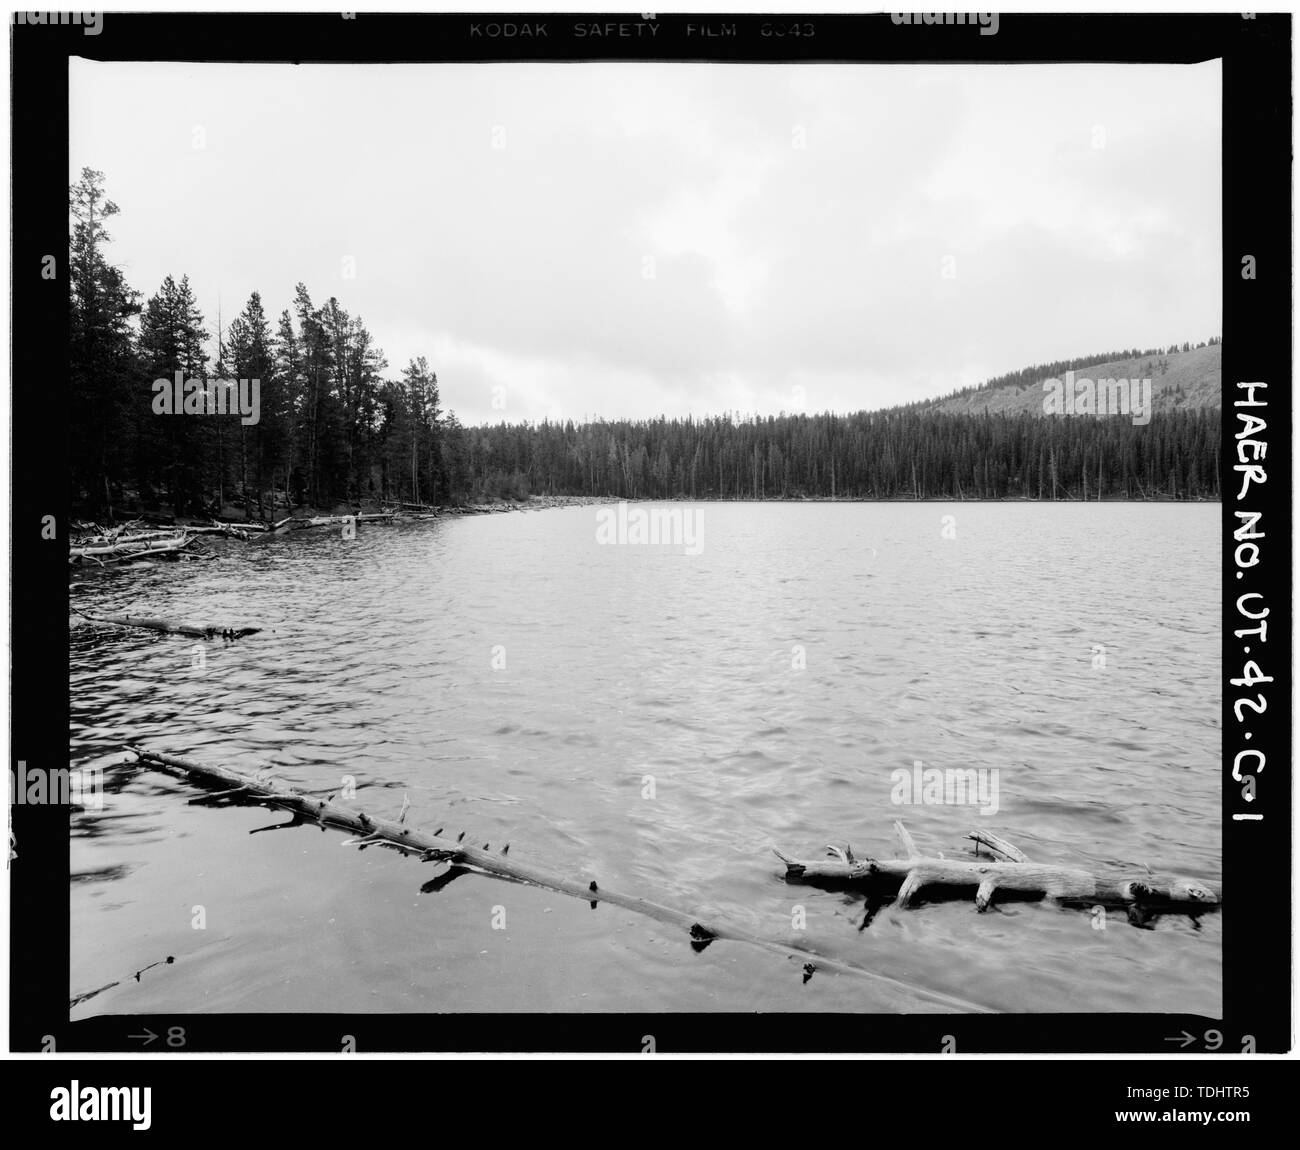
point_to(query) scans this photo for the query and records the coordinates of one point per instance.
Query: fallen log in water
(78, 999)
(329, 520)
(223, 529)
(1009, 870)
(122, 536)
(307, 809)
(118, 540)
(199, 631)
(130, 549)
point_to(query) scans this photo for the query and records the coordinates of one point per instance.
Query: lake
(659, 720)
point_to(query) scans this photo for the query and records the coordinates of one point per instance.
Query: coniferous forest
(337, 426)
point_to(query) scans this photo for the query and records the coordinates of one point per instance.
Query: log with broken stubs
(170, 544)
(1006, 870)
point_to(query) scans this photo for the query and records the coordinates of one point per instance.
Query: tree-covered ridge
(1182, 377)
(334, 427)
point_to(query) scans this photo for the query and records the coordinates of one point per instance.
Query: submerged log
(1010, 870)
(198, 630)
(306, 808)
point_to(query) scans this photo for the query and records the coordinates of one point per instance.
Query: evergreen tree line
(895, 454)
(331, 425)
(334, 428)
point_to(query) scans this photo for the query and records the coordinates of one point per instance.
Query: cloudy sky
(642, 239)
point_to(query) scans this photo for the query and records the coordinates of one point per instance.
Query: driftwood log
(122, 535)
(1007, 870)
(130, 540)
(198, 630)
(308, 809)
(330, 520)
(131, 548)
(240, 532)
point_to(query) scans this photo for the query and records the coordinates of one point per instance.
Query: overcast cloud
(678, 238)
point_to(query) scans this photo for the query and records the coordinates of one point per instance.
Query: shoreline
(549, 502)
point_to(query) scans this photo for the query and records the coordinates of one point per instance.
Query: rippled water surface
(660, 721)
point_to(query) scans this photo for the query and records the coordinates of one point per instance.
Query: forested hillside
(1182, 377)
(336, 426)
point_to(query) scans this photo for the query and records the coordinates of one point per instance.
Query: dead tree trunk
(130, 549)
(222, 529)
(123, 536)
(199, 631)
(1009, 870)
(333, 520)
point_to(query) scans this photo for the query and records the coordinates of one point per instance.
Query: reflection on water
(660, 720)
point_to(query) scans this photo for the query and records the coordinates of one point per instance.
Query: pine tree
(105, 401)
(176, 451)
